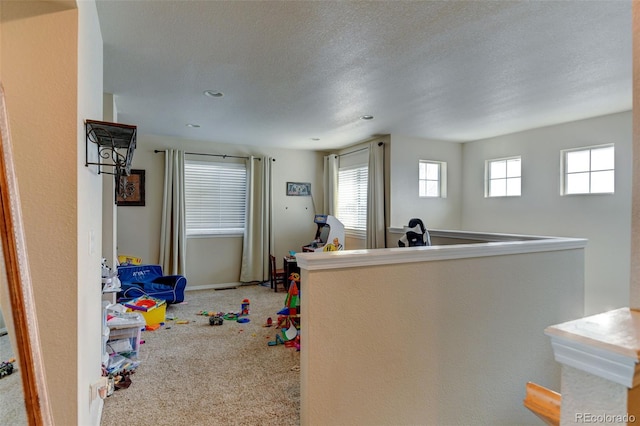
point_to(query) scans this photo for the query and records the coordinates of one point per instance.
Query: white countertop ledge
(498, 245)
(606, 345)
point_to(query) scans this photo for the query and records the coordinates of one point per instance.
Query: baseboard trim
(220, 286)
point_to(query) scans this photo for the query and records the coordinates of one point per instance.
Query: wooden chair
(276, 276)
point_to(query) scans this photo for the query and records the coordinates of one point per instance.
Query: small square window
(432, 179)
(503, 177)
(589, 170)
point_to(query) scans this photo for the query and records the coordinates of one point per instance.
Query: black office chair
(415, 235)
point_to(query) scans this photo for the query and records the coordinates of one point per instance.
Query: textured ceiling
(292, 71)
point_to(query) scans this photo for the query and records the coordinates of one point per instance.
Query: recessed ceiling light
(192, 125)
(366, 117)
(213, 93)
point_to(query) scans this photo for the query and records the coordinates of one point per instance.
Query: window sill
(574, 194)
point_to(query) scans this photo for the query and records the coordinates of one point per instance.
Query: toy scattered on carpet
(6, 367)
(278, 341)
(121, 380)
(217, 318)
(210, 313)
(289, 317)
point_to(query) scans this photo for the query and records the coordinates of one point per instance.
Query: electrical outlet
(99, 388)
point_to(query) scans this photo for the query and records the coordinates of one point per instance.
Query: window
(504, 177)
(352, 198)
(215, 197)
(588, 170)
(432, 179)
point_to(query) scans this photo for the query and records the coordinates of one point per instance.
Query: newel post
(600, 358)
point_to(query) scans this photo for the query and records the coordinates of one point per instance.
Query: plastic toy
(245, 307)
(210, 313)
(278, 341)
(335, 246)
(216, 320)
(6, 368)
(294, 276)
(292, 301)
(289, 318)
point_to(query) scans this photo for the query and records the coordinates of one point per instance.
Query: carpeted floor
(197, 374)
(12, 409)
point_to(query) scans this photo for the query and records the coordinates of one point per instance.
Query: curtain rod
(358, 150)
(212, 155)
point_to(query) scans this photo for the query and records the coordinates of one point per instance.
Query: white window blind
(215, 197)
(352, 197)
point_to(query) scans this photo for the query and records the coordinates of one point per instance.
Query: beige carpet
(197, 374)
(12, 408)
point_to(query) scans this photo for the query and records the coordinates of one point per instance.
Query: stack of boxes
(122, 328)
(122, 342)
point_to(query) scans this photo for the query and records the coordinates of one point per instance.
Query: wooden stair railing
(544, 403)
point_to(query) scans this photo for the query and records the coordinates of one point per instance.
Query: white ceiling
(292, 71)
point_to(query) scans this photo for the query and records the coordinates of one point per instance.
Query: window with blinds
(352, 198)
(215, 197)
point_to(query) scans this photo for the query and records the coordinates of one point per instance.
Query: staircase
(544, 403)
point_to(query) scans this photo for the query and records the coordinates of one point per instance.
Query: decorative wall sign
(299, 188)
(130, 189)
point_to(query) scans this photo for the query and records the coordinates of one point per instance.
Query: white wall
(436, 213)
(440, 342)
(217, 260)
(89, 207)
(634, 296)
(109, 212)
(605, 220)
(43, 52)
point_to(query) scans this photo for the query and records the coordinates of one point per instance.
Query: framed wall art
(298, 188)
(130, 189)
